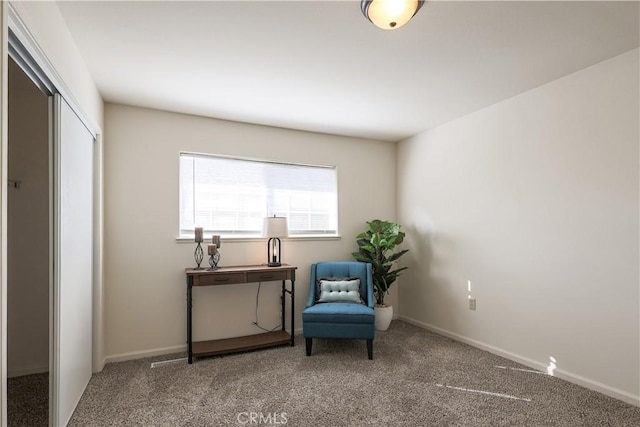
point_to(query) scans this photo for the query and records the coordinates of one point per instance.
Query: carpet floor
(417, 378)
(28, 401)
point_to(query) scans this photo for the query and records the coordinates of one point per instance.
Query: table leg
(189, 313)
(293, 307)
(282, 304)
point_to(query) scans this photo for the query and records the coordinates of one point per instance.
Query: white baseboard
(21, 372)
(541, 366)
(100, 367)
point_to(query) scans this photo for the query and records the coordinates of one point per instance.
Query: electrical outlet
(472, 303)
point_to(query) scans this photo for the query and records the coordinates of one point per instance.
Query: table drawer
(266, 276)
(218, 279)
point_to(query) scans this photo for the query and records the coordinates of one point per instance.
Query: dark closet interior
(28, 252)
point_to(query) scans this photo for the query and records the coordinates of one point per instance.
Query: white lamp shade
(391, 14)
(276, 226)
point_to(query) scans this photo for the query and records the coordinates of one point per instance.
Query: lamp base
(273, 259)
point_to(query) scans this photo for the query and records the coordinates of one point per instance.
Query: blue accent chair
(340, 319)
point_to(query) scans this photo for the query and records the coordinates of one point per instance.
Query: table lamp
(274, 228)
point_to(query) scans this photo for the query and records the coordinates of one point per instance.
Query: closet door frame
(17, 41)
(4, 183)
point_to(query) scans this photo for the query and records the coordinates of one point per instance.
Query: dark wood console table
(232, 276)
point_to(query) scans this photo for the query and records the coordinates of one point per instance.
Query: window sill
(262, 239)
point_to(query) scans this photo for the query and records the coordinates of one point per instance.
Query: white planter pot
(384, 314)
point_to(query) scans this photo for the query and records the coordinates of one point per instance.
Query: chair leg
(308, 342)
(370, 349)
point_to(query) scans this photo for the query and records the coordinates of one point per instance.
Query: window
(232, 196)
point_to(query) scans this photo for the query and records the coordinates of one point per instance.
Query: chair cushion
(336, 312)
(334, 290)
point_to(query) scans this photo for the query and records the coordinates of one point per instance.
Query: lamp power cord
(256, 322)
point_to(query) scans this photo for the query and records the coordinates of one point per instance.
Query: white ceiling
(321, 66)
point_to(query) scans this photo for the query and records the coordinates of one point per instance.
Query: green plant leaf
(397, 255)
(373, 245)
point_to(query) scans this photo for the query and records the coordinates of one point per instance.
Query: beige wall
(144, 265)
(28, 228)
(535, 201)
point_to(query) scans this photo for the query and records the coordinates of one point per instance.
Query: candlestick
(213, 260)
(198, 233)
(215, 241)
(198, 255)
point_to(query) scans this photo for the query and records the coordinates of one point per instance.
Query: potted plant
(376, 246)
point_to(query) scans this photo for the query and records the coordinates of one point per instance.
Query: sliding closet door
(73, 147)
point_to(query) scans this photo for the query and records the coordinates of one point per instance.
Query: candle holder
(213, 261)
(198, 255)
(214, 252)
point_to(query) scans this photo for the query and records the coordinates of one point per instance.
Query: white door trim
(4, 139)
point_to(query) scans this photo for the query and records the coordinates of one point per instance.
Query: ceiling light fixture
(390, 14)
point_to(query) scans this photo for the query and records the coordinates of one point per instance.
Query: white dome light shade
(390, 14)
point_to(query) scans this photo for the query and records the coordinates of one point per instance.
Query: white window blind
(232, 196)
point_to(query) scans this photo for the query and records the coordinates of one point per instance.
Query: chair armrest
(311, 299)
(370, 300)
